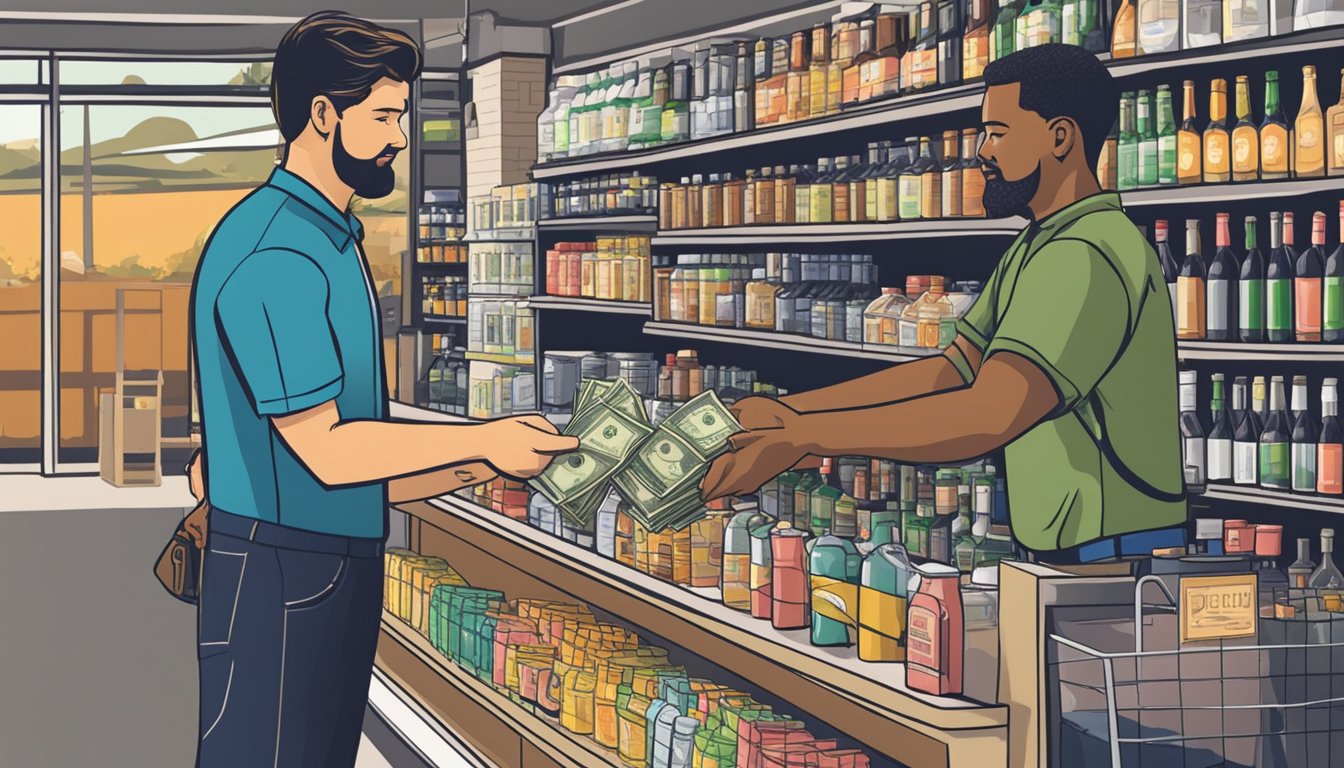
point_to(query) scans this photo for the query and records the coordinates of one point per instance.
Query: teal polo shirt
(284, 318)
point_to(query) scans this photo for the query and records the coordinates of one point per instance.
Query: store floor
(97, 662)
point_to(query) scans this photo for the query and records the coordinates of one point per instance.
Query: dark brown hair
(336, 55)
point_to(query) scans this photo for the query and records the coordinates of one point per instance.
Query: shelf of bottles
(1288, 306)
(1153, 150)
(875, 68)
(501, 345)
(1261, 447)
(870, 702)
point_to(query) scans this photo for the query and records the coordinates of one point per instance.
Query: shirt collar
(337, 226)
(1102, 201)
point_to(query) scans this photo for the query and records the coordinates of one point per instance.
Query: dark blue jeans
(288, 624)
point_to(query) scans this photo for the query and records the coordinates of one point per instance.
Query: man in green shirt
(1066, 361)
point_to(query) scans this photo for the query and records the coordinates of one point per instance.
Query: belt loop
(252, 535)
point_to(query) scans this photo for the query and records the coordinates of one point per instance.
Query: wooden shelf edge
(793, 674)
(561, 746)
(786, 341)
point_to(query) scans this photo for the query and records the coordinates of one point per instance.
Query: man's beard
(1010, 198)
(369, 180)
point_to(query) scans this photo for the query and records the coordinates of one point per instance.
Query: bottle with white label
(1192, 430)
(1220, 436)
(1246, 437)
(1305, 436)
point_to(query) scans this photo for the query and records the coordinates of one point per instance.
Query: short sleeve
(272, 314)
(1069, 313)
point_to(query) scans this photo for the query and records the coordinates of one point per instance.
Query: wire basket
(1274, 701)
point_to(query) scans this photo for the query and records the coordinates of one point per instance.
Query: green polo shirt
(1081, 295)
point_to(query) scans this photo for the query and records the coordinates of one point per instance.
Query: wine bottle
(1308, 274)
(1221, 302)
(1274, 440)
(1190, 287)
(1246, 437)
(1279, 283)
(1305, 439)
(1219, 444)
(1251, 289)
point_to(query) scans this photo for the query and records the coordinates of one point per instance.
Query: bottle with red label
(935, 635)
(1307, 278)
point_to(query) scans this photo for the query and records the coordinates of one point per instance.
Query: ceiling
(518, 10)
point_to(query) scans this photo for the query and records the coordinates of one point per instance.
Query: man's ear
(323, 116)
(1063, 136)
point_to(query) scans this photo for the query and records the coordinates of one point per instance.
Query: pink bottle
(936, 632)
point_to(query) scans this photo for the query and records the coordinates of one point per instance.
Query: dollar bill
(657, 471)
(606, 438)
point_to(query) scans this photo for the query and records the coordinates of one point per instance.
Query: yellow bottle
(1308, 130)
(1274, 142)
(1217, 154)
(1334, 121)
(1188, 150)
(1245, 137)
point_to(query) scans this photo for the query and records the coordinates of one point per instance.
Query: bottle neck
(1271, 97)
(1318, 230)
(1238, 396)
(1218, 104)
(1243, 100)
(1299, 396)
(1224, 237)
(1189, 106)
(1276, 396)
(1288, 229)
(1309, 98)
(1216, 401)
(1329, 400)
(1275, 233)
(1250, 233)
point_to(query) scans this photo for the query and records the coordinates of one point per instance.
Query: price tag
(1218, 607)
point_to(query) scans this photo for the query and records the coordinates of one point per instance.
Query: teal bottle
(832, 558)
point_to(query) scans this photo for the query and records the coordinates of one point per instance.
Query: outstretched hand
(768, 445)
(523, 446)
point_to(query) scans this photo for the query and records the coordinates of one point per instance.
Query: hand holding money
(657, 470)
(522, 446)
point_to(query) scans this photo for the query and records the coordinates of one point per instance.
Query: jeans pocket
(310, 578)
(216, 673)
(222, 573)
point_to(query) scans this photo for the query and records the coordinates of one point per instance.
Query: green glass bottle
(1279, 280)
(1147, 136)
(1251, 286)
(1004, 39)
(1166, 137)
(1275, 471)
(1127, 147)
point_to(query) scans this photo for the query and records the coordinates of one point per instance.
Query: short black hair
(1063, 81)
(336, 55)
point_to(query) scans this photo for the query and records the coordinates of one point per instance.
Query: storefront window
(142, 187)
(20, 281)
(76, 72)
(158, 180)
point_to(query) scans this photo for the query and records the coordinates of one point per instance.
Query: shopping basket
(1272, 701)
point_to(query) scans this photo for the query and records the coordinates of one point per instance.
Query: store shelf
(1231, 192)
(848, 232)
(940, 101)
(951, 99)
(787, 341)
(497, 727)
(869, 702)
(631, 223)
(1232, 350)
(440, 265)
(445, 320)
(490, 357)
(577, 304)
(1274, 498)
(505, 235)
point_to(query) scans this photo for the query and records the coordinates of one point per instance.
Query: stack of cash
(657, 470)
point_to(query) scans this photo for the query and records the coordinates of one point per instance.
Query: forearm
(899, 382)
(367, 451)
(1010, 395)
(438, 482)
(945, 427)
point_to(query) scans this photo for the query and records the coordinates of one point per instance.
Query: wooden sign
(1218, 607)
